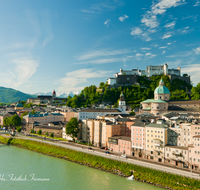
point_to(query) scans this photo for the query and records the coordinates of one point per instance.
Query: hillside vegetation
(134, 94)
(9, 95)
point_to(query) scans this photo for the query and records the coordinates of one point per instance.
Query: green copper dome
(161, 90)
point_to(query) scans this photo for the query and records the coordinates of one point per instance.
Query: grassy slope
(143, 174)
(9, 95)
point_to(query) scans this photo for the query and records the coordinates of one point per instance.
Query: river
(22, 169)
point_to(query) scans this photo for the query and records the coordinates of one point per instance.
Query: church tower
(54, 94)
(122, 103)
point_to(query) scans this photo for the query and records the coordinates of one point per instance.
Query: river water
(23, 169)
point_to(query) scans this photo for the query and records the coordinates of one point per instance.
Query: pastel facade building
(138, 138)
(177, 155)
(43, 118)
(120, 144)
(97, 131)
(156, 140)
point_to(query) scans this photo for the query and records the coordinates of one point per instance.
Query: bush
(39, 132)
(32, 131)
(47, 134)
(19, 129)
(51, 135)
(132, 113)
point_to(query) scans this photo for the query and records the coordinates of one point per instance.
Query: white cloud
(170, 25)
(163, 52)
(99, 53)
(102, 61)
(145, 36)
(74, 81)
(150, 20)
(20, 70)
(136, 31)
(138, 56)
(149, 55)
(122, 18)
(197, 3)
(107, 22)
(167, 35)
(163, 5)
(139, 33)
(87, 11)
(169, 43)
(197, 50)
(145, 48)
(150, 17)
(163, 47)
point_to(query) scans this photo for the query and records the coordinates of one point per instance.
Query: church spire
(161, 83)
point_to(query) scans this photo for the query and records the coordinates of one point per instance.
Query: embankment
(154, 177)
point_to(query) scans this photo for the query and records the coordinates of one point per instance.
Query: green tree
(19, 129)
(132, 113)
(52, 135)
(23, 114)
(6, 121)
(47, 134)
(39, 132)
(72, 128)
(33, 111)
(15, 120)
(196, 92)
(30, 105)
(32, 131)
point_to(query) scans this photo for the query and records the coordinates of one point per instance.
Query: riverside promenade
(131, 160)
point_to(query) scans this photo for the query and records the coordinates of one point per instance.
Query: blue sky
(67, 45)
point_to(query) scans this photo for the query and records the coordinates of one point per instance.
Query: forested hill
(9, 95)
(134, 94)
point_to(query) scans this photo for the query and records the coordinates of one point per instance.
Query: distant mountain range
(9, 95)
(58, 94)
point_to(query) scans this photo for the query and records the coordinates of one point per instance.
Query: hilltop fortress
(129, 77)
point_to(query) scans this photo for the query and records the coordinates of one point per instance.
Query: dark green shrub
(51, 135)
(19, 129)
(39, 132)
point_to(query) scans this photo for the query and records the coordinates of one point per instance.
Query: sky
(67, 45)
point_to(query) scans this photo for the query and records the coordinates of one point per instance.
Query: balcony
(157, 142)
(177, 154)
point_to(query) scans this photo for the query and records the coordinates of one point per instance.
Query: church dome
(161, 89)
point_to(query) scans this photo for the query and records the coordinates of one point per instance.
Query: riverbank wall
(143, 174)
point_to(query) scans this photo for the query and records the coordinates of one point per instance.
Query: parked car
(106, 148)
(102, 148)
(89, 148)
(123, 155)
(107, 152)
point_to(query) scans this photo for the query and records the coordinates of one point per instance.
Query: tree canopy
(72, 128)
(15, 120)
(134, 94)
